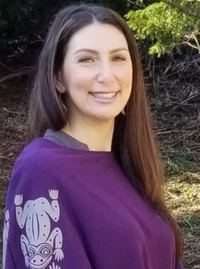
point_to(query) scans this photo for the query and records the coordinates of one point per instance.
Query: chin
(106, 117)
(106, 114)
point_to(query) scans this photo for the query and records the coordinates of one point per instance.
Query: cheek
(77, 80)
(126, 77)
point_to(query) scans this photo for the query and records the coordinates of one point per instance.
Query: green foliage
(192, 224)
(163, 25)
(177, 162)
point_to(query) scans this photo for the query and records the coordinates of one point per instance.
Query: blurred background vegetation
(161, 27)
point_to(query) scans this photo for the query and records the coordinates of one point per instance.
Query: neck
(97, 136)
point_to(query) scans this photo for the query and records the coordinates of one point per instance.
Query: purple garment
(73, 209)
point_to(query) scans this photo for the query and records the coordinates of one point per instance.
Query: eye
(45, 251)
(86, 59)
(119, 58)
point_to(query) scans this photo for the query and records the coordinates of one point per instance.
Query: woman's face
(96, 73)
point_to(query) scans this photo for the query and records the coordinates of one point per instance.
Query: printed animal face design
(40, 255)
(39, 243)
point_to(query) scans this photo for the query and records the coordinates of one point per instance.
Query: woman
(87, 191)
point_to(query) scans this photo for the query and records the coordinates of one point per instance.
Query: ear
(58, 83)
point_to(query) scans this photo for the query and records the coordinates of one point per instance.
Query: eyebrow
(96, 52)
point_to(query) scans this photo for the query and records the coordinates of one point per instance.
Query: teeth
(103, 95)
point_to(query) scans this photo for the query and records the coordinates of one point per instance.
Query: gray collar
(64, 140)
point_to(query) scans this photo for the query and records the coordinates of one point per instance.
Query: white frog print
(5, 236)
(39, 243)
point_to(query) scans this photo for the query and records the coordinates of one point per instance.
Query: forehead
(97, 36)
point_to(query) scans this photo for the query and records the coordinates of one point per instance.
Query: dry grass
(175, 105)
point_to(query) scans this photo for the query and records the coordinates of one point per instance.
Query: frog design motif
(39, 243)
(5, 236)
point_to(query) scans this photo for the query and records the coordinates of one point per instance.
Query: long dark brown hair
(133, 140)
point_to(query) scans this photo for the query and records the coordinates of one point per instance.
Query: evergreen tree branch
(183, 10)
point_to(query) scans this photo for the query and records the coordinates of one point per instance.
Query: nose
(105, 72)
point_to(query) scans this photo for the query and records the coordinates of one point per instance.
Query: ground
(175, 106)
(13, 115)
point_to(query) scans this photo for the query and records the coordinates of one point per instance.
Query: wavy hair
(133, 139)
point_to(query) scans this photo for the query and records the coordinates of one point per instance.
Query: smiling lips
(103, 95)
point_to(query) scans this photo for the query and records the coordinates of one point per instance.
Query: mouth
(103, 95)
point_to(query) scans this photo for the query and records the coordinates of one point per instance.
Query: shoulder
(36, 162)
(39, 147)
(37, 153)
